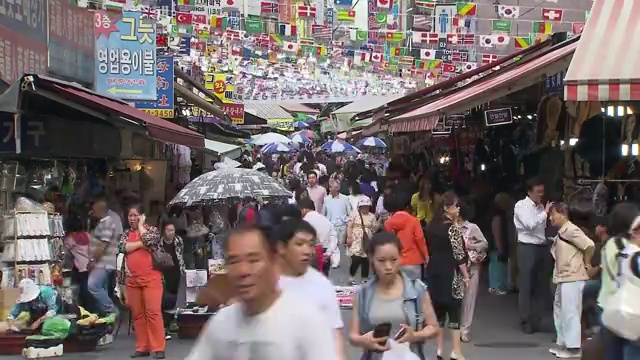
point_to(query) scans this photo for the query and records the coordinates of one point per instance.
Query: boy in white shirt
(264, 323)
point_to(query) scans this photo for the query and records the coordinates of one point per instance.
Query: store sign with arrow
(163, 107)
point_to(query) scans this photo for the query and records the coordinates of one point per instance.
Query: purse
(161, 260)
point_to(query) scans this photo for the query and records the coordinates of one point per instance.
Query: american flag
(321, 31)
(422, 22)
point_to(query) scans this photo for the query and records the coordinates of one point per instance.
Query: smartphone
(382, 330)
(400, 334)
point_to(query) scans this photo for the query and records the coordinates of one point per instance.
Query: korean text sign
(163, 107)
(26, 17)
(235, 112)
(19, 55)
(125, 56)
(71, 41)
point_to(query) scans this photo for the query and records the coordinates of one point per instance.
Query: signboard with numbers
(220, 86)
(26, 17)
(19, 55)
(39, 135)
(235, 112)
(163, 107)
(71, 41)
(125, 56)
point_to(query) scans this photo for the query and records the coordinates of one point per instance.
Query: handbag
(365, 236)
(161, 260)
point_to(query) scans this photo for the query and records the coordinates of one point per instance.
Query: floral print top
(150, 239)
(459, 254)
(370, 222)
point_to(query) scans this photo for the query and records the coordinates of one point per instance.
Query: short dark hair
(251, 228)
(285, 231)
(533, 182)
(306, 203)
(398, 201)
(312, 172)
(99, 198)
(381, 239)
(621, 218)
(467, 210)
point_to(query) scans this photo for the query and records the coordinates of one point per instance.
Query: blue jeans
(498, 272)
(97, 284)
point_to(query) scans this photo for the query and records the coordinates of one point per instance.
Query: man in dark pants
(530, 219)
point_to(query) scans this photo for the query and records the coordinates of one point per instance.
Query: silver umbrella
(220, 185)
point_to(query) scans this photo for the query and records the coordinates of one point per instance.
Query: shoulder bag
(365, 236)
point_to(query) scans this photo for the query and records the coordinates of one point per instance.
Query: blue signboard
(125, 56)
(555, 83)
(163, 107)
(26, 17)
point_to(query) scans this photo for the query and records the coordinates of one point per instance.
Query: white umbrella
(226, 163)
(275, 148)
(270, 138)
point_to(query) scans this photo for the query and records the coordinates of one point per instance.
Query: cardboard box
(8, 298)
(217, 292)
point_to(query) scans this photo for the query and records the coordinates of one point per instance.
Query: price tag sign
(219, 87)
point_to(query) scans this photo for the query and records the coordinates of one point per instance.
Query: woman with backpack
(392, 302)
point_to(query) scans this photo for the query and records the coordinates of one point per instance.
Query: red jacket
(409, 231)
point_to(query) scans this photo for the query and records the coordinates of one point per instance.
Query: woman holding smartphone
(144, 284)
(390, 305)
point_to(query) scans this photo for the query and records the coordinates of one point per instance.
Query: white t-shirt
(290, 329)
(316, 289)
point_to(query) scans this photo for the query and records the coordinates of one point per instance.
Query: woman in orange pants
(144, 284)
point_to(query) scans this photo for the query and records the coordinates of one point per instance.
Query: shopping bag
(335, 259)
(399, 352)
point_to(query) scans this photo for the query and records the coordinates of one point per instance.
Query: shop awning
(229, 150)
(158, 128)
(193, 99)
(186, 78)
(298, 108)
(605, 67)
(365, 103)
(520, 76)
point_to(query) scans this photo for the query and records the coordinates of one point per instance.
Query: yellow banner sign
(219, 85)
(161, 113)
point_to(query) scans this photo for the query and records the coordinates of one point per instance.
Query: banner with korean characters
(71, 42)
(125, 55)
(235, 112)
(23, 38)
(163, 107)
(218, 83)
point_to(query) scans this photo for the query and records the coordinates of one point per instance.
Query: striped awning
(605, 66)
(482, 91)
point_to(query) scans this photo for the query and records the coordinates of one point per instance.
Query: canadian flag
(384, 4)
(509, 11)
(289, 46)
(377, 57)
(488, 41)
(183, 18)
(306, 11)
(200, 19)
(552, 14)
(361, 57)
(427, 54)
(423, 37)
(489, 58)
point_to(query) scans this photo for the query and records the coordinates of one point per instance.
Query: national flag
(377, 57)
(236, 50)
(184, 18)
(268, 7)
(338, 44)
(448, 68)
(468, 66)
(288, 30)
(577, 27)
(494, 40)
(552, 14)
(200, 19)
(346, 15)
(202, 31)
(321, 31)
(358, 35)
(113, 7)
(499, 25)
(459, 56)
(466, 9)
(361, 57)
(262, 41)
(422, 22)
(233, 35)
(426, 4)
(489, 58)
(406, 61)
(461, 39)
(423, 37)
(428, 54)
(397, 51)
(522, 42)
(384, 4)
(218, 22)
(343, 2)
(509, 11)
(306, 42)
(394, 35)
(541, 27)
(321, 50)
(235, 4)
(306, 11)
(148, 13)
(253, 26)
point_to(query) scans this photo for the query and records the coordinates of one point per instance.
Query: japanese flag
(427, 54)
(384, 4)
(509, 11)
(289, 46)
(377, 57)
(234, 4)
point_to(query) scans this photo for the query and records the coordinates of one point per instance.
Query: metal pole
(587, 181)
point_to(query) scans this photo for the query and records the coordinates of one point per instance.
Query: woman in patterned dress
(361, 226)
(447, 272)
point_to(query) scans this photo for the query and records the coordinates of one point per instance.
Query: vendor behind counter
(40, 301)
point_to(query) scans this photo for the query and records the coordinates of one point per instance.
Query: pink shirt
(317, 194)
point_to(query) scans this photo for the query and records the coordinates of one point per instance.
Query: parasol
(269, 138)
(336, 146)
(372, 142)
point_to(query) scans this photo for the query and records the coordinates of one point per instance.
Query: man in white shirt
(296, 239)
(325, 231)
(337, 209)
(264, 323)
(530, 219)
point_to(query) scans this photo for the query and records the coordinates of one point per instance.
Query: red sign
(235, 112)
(219, 87)
(71, 25)
(19, 55)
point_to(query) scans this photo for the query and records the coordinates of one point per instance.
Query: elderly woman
(40, 301)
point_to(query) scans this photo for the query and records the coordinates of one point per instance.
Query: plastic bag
(399, 352)
(56, 327)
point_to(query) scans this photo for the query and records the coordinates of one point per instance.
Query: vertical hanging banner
(125, 56)
(285, 11)
(219, 84)
(163, 107)
(71, 42)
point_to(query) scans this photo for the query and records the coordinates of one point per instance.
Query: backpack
(621, 314)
